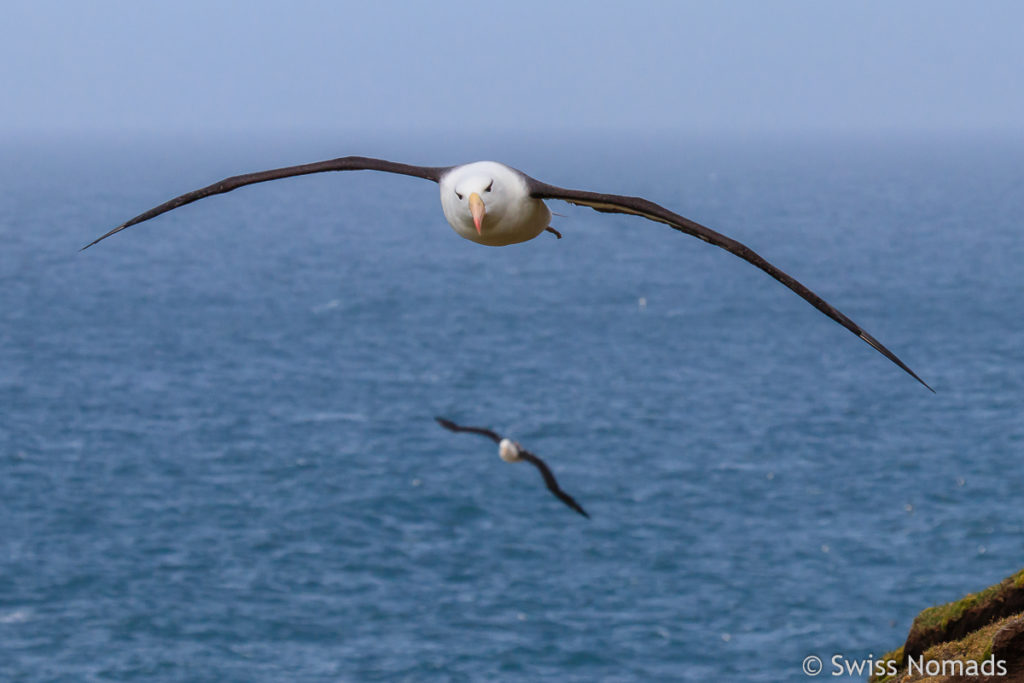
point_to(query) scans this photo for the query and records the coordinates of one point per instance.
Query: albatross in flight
(511, 451)
(495, 205)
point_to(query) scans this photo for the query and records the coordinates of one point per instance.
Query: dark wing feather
(552, 484)
(448, 424)
(235, 182)
(637, 206)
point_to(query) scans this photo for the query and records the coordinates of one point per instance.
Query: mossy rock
(991, 654)
(957, 619)
(968, 630)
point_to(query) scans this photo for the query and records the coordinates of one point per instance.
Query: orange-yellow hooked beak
(476, 207)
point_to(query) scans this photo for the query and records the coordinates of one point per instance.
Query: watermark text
(840, 665)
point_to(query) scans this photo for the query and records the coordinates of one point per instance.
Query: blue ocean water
(218, 459)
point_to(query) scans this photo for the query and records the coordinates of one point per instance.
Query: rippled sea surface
(218, 459)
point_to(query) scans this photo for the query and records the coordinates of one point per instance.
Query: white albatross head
(489, 203)
(508, 450)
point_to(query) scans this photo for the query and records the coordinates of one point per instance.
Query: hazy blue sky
(659, 66)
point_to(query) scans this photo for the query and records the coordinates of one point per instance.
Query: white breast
(508, 450)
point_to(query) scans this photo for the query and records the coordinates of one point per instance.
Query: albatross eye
(458, 195)
(489, 185)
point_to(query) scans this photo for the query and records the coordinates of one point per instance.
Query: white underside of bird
(508, 450)
(490, 203)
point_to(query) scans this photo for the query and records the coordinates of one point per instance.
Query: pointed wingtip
(103, 237)
(914, 375)
(571, 502)
(877, 346)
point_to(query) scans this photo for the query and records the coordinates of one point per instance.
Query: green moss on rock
(955, 620)
(972, 629)
(894, 656)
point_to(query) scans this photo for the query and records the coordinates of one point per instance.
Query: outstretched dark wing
(235, 182)
(552, 484)
(637, 206)
(448, 424)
